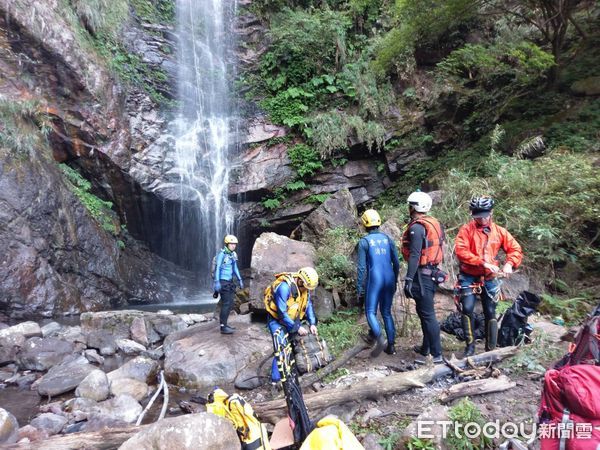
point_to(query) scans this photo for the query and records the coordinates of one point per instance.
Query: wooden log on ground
(477, 387)
(274, 410)
(308, 380)
(109, 438)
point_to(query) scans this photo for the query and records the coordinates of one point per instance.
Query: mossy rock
(588, 86)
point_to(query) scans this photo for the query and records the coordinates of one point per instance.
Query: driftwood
(109, 438)
(308, 380)
(274, 410)
(477, 387)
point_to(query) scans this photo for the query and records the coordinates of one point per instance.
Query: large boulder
(50, 423)
(339, 210)
(26, 329)
(203, 431)
(140, 368)
(43, 353)
(122, 407)
(271, 254)
(10, 346)
(65, 377)
(129, 386)
(95, 386)
(201, 357)
(9, 427)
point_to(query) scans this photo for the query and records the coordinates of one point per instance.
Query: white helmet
(420, 201)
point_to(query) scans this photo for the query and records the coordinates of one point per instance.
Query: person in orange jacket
(476, 247)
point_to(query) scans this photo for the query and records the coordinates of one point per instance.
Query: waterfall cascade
(205, 127)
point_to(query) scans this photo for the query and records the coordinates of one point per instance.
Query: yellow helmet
(309, 277)
(230, 239)
(370, 218)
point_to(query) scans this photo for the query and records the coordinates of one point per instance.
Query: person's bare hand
(507, 269)
(302, 331)
(313, 330)
(492, 267)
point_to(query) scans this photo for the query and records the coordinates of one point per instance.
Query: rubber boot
(391, 348)
(491, 335)
(419, 350)
(470, 339)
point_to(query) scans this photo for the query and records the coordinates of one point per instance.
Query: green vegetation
(420, 444)
(340, 331)
(463, 413)
(155, 11)
(334, 264)
(571, 309)
(23, 126)
(99, 209)
(535, 357)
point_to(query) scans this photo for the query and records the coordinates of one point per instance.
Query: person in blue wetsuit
(225, 269)
(377, 278)
(288, 306)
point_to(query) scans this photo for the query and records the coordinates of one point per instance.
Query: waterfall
(205, 126)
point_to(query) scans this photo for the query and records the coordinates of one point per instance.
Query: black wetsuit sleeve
(416, 235)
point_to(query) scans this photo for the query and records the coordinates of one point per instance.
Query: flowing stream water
(206, 124)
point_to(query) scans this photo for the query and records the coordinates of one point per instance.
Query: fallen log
(309, 380)
(477, 387)
(109, 438)
(274, 410)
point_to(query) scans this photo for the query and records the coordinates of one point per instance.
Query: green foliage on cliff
(99, 209)
(23, 126)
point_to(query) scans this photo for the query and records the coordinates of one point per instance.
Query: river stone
(223, 356)
(122, 407)
(49, 422)
(10, 346)
(102, 340)
(93, 356)
(371, 442)
(72, 334)
(165, 324)
(140, 368)
(339, 210)
(129, 386)
(130, 347)
(65, 377)
(43, 353)
(203, 431)
(434, 415)
(32, 433)
(139, 331)
(271, 254)
(27, 329)
(9, 427)
(50, 329)
(94, 386)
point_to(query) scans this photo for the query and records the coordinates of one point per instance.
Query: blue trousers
(380, 294)
(279, 335)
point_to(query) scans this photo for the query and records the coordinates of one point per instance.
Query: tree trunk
(97, 440)
(274, 410)
(477, 387)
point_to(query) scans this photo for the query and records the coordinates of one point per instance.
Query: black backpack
(514, 328)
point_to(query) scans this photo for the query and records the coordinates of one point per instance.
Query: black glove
(408, 288)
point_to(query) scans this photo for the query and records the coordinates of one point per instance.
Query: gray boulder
(201, 357)
(50, 329)
(27, 329)
(49, 422)
(65, 377)
(129, 386)
(130, 347)
(271, 254)
(140, 368)
(122, 407)
(339, 210)
(323, 303)
(43, 353)
(9, 427)
(201, 431)
(95, 386)
(10, 346)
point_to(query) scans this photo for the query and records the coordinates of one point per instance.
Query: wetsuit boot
(491, 335)
(470, 340)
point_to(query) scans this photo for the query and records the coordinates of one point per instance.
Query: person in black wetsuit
(422, 248)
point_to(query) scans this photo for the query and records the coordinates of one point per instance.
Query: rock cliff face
(55, 256)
